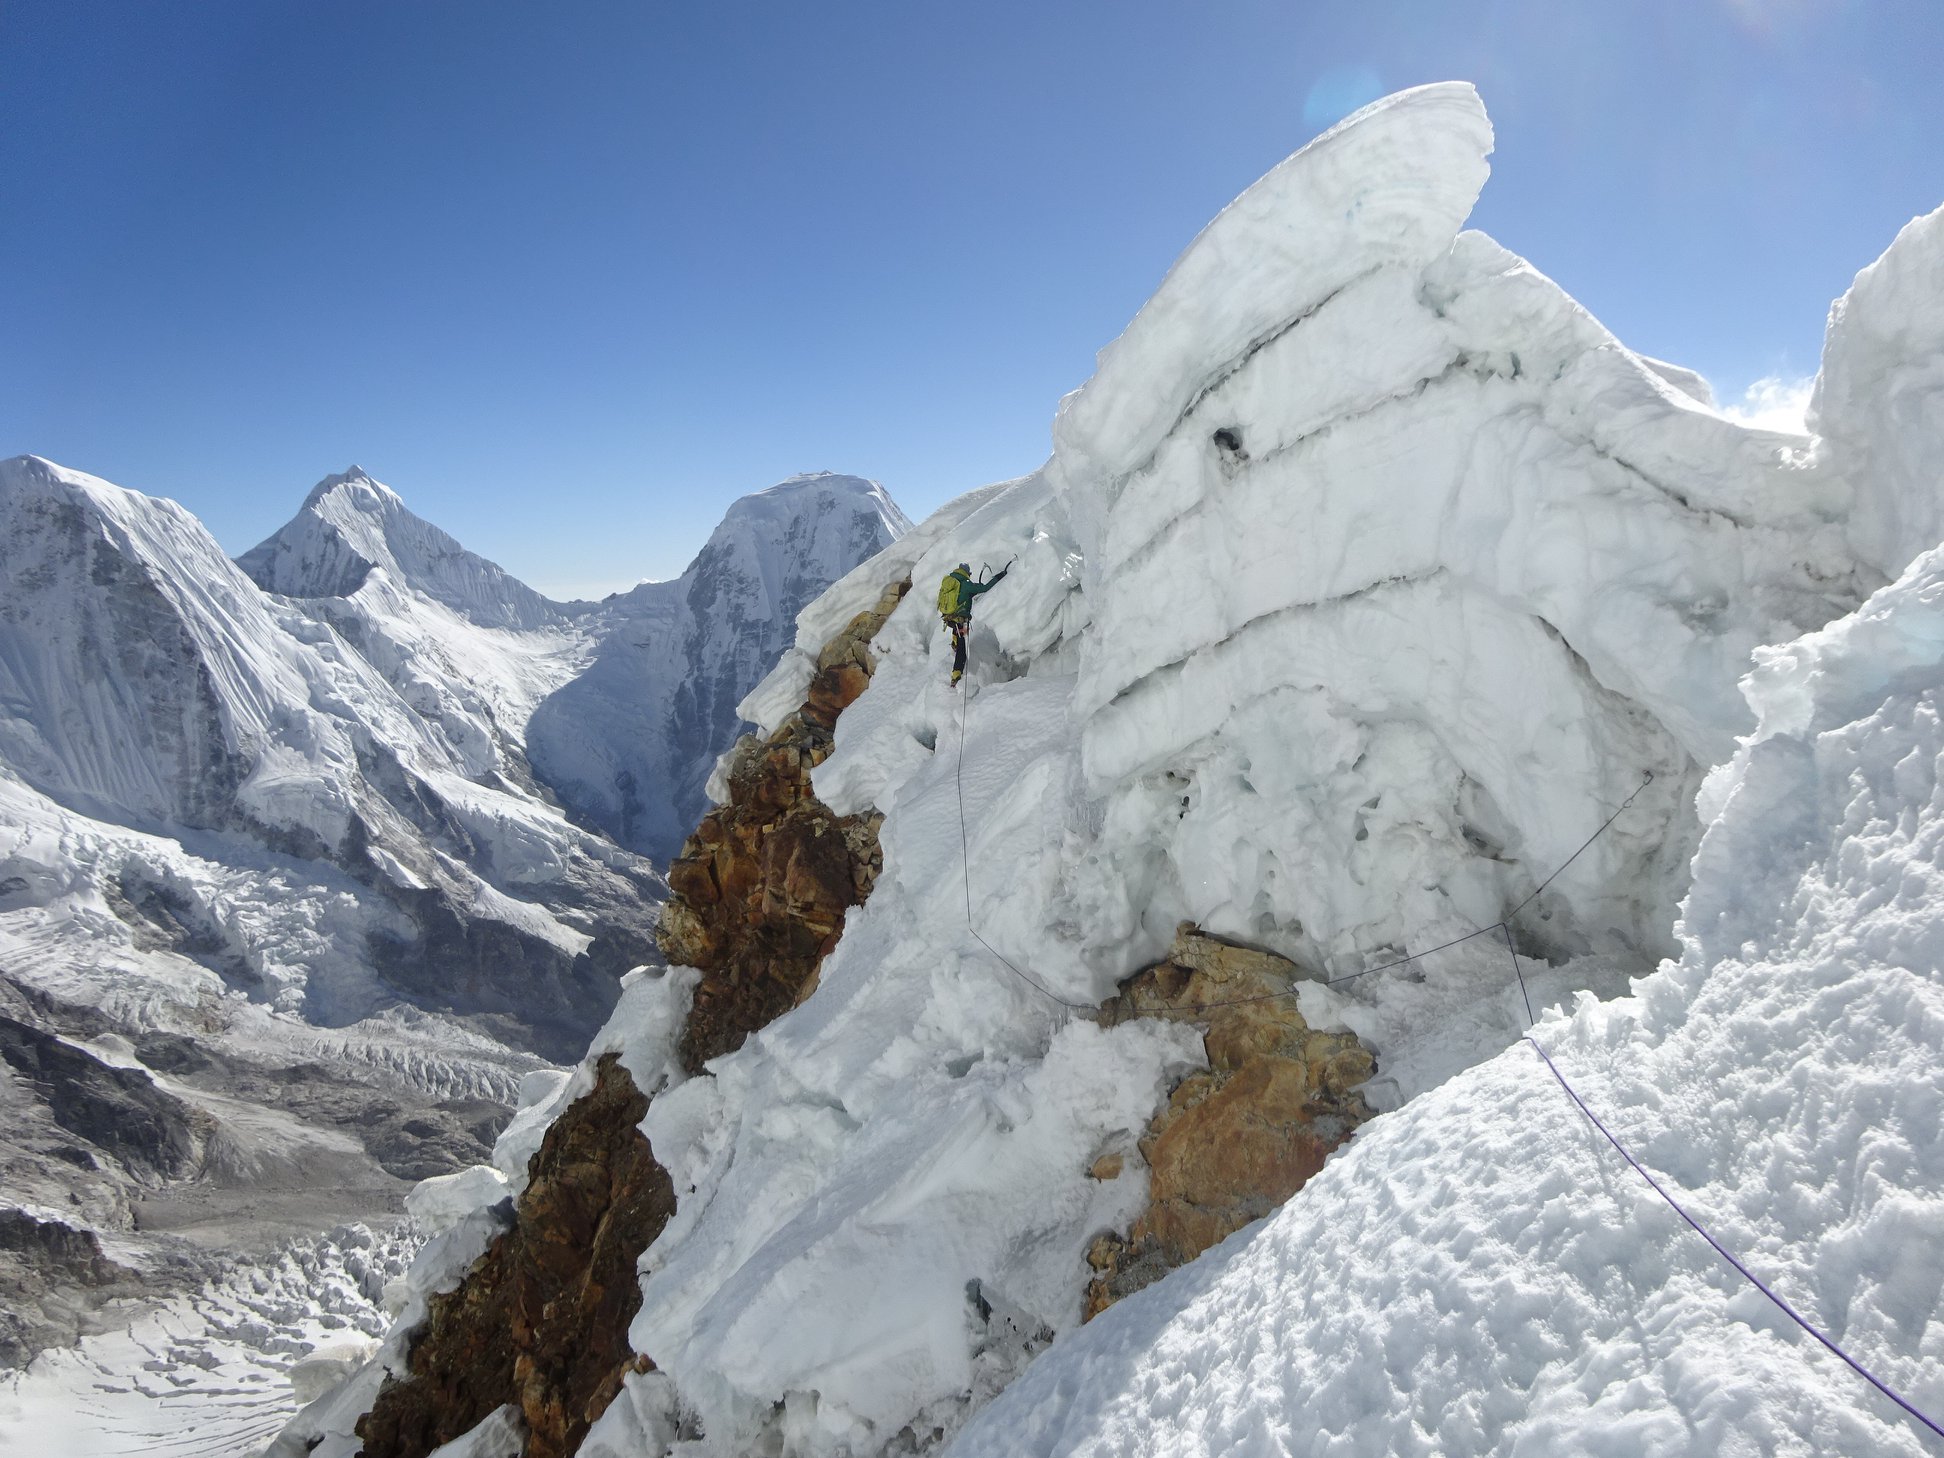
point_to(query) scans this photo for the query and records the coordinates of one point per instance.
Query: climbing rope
(1727, 1255)
(1504, 929)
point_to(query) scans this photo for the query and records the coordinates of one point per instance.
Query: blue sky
(574, 277)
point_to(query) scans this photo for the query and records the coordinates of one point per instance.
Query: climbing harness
(1504, 929)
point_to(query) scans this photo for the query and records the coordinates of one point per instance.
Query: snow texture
(216, 1373)
(1879, 400)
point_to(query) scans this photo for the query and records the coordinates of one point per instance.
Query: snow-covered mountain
(351, 527)
(630, 742)
(1369, 578)
(286, 917)
(150, 686)
(620, 707)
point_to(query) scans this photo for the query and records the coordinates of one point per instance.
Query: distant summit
(351, 525)
(628, 745)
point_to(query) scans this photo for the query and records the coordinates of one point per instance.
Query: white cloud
(1774, 403)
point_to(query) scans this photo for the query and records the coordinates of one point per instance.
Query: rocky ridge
(759, 893)
(539, 1325)
(758, 898)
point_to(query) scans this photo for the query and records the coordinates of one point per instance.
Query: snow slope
(1368, 576)
(471, 649)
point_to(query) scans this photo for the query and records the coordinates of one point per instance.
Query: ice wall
(1408, 568)
(1879, 400)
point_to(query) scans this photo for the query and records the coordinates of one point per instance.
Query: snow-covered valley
(1121, 1052)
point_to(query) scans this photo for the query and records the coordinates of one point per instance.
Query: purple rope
(1721, 1250)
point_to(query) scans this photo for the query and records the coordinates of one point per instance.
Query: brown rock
(542, 1318)
(835, 689)
(757, 898)
(1236, 1140)
(782, 871)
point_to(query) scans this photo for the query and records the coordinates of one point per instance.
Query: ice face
(1879, 399)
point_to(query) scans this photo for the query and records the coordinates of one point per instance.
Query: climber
(955, 596)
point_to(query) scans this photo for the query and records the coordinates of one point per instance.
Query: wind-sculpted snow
(1368, 577)
(1481, 1274)
(1449, 570)
(1336, 211)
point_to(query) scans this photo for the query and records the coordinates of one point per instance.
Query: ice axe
(986, 567)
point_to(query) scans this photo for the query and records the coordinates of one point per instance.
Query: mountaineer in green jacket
(955, 596)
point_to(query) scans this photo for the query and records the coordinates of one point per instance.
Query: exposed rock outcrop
(1236, 1140)
(154, 1134)
(543, 1316)
(758, 895)
(42, 1261)
(758, 899)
